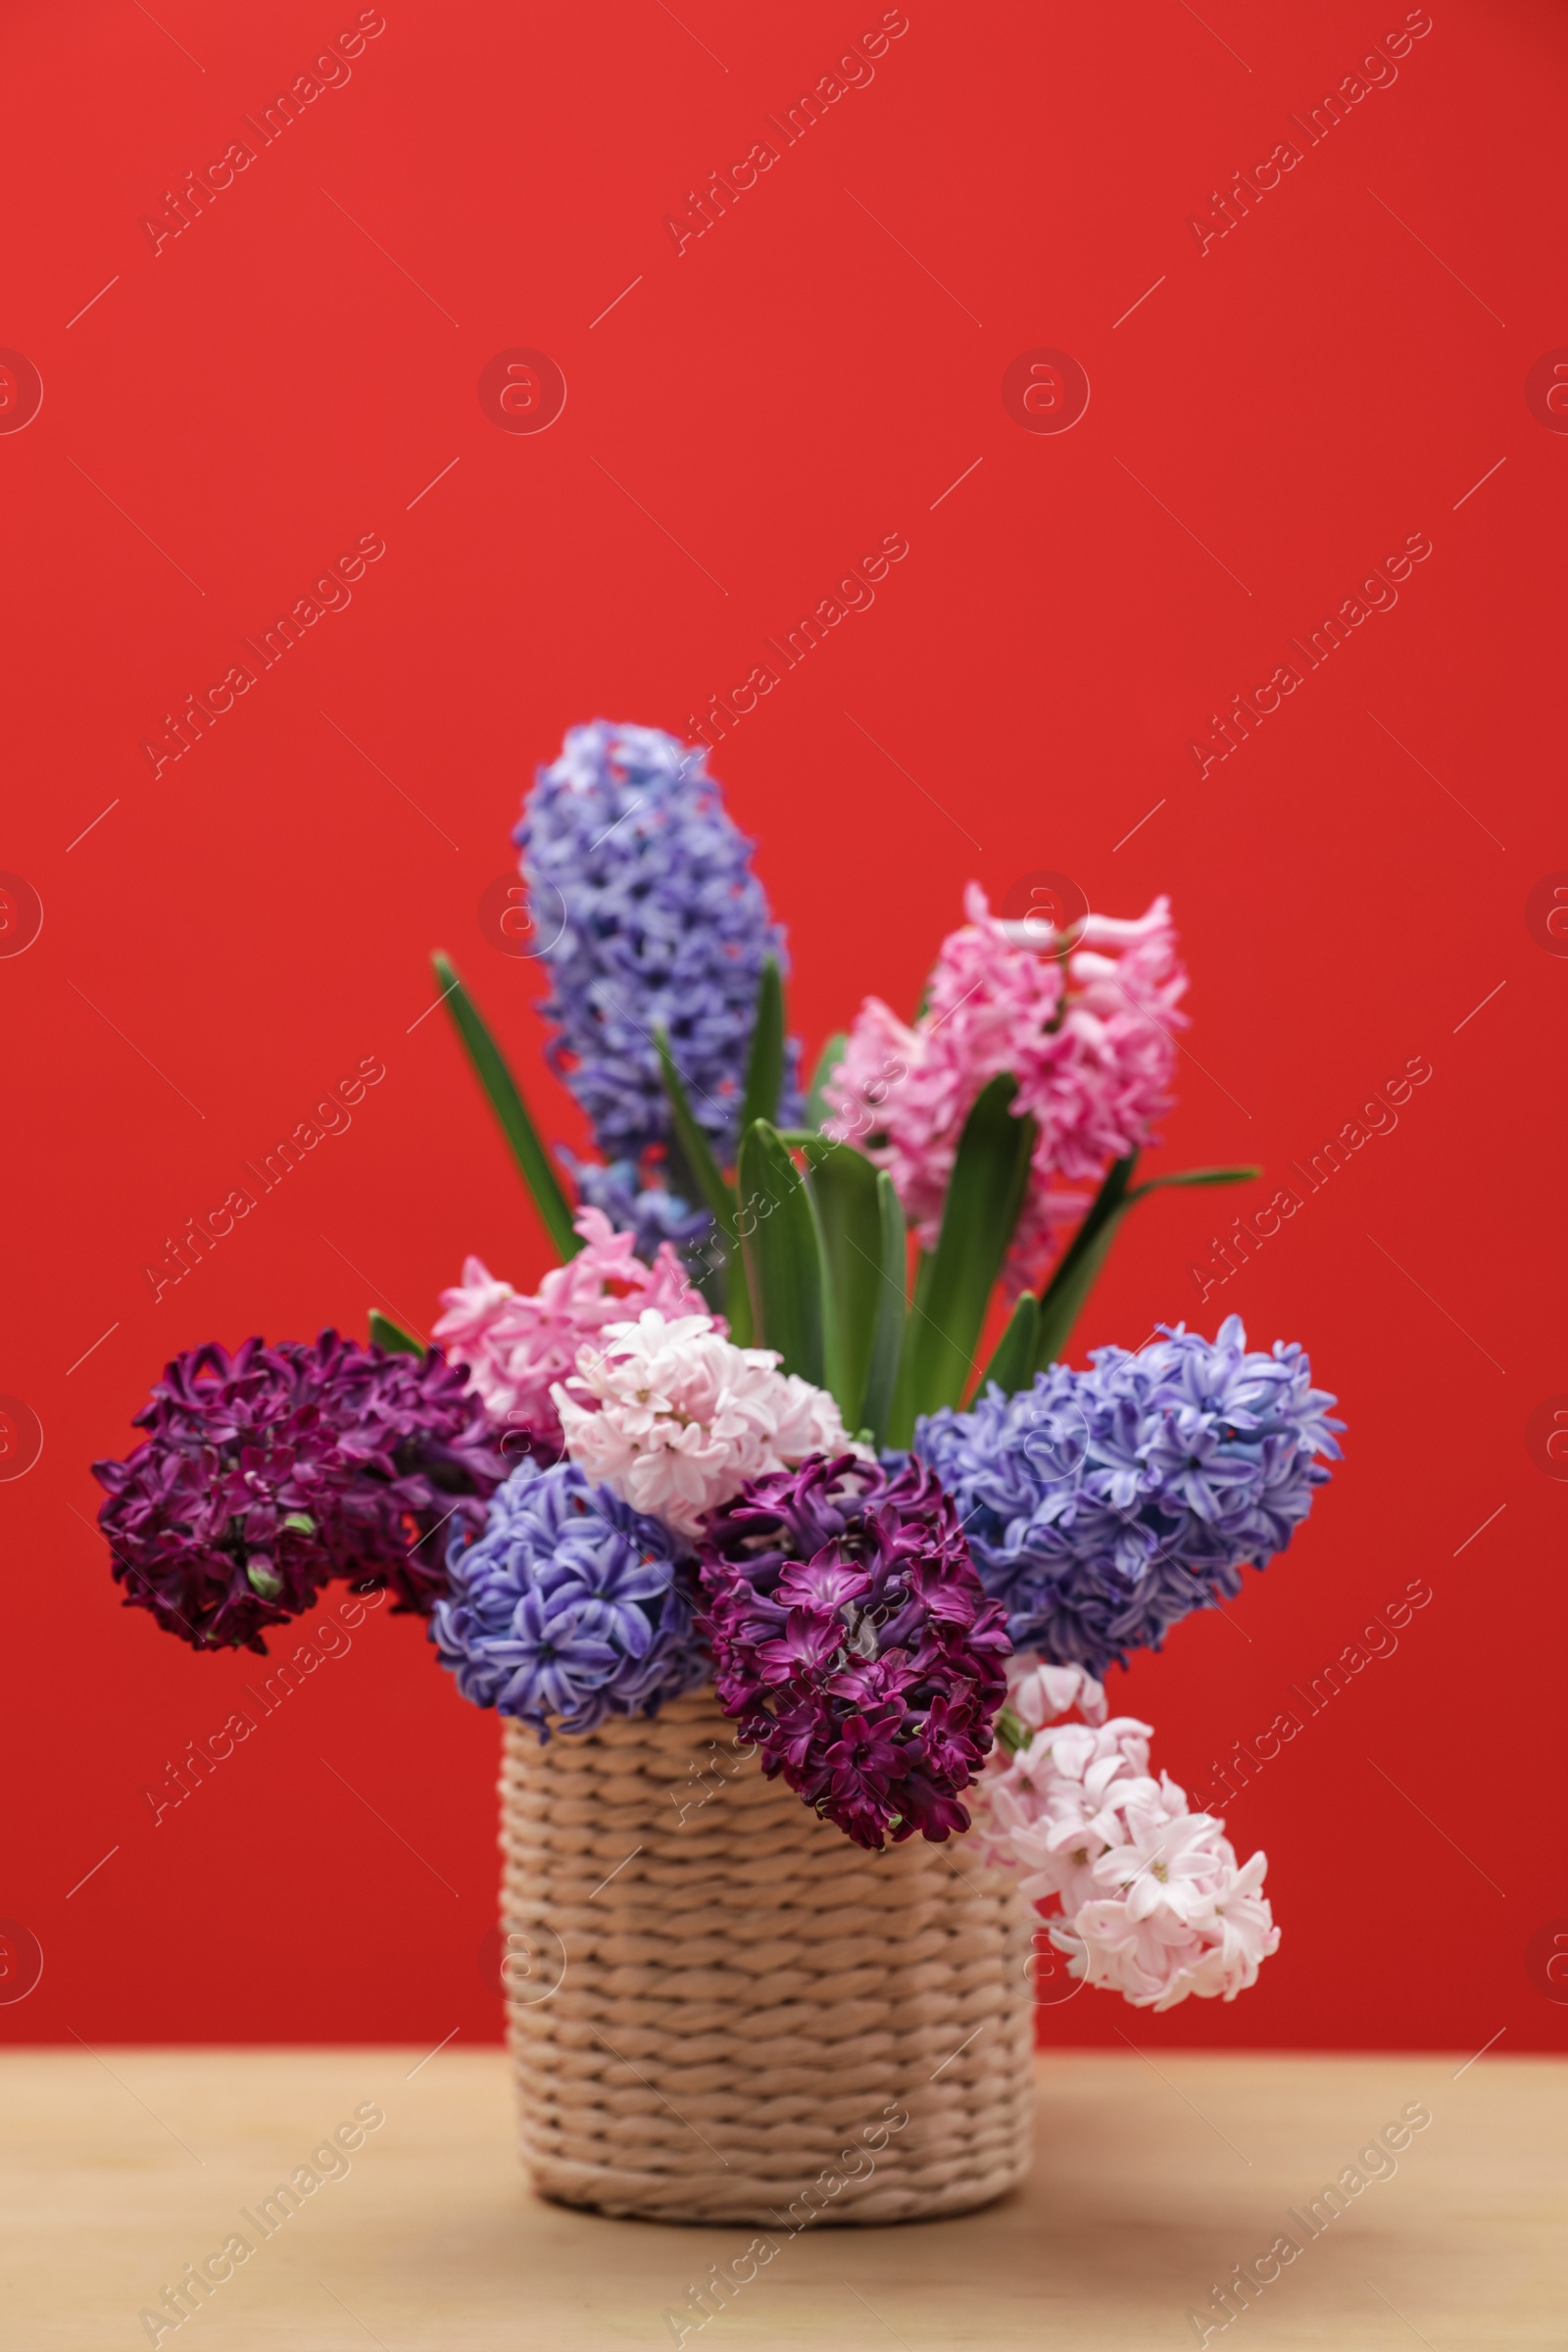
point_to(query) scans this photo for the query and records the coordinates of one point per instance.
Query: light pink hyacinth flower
(517, 1344)
(675, 1418)
(1088, 1034)
(1150, 1900)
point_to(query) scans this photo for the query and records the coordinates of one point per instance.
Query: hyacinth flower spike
(643, 887)
(269, 1472)
(658, 943)
(518, 1346)
(569, 1608)
(1147, 1897)
(1066, 1038)
(663, 958)
(852, 1643)
(1104, 1506)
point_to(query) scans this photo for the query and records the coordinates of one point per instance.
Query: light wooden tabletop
(123, 2170)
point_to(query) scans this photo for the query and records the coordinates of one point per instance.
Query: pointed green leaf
(901, 1412)
(1196, 1176)
(781, 1243)
(843, 1188)
(694, 1149)
(764, 1066)
(708, 1262)
(832, 1053)
(538, 1168)
(887, 1332)
(1062, 1298)
(1012, 1367)
(985, 1194)
(391, 1337)
(696, 1155)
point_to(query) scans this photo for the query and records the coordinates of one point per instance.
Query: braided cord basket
(717, 2005)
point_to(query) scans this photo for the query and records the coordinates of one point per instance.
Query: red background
(758, 411)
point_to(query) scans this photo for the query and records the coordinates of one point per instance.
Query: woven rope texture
(720, 2009)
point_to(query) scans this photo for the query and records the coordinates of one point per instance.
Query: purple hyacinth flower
(266, 1474)
(568, 1608)
(825, 1584)
(852, 1643)
(1102, 1507)
(644, 890)
(812, 1639)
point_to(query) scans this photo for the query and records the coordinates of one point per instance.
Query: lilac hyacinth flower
(644, 886)
(269, 1473)
(1101, 1506)
(569, 1607)
(852, 1643)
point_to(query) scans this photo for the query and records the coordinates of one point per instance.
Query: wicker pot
(716, 2002)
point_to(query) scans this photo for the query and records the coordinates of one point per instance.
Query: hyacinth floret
(673, 1416)
(644, 886)
(630, 1194)
(569, 1607)
(1103, 1505)
(517, 1344)
(852, 1643)
(1085, 1021)
(269, 1472)
(1148, 1898)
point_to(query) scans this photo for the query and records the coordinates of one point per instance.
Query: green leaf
(901, 1412)
(1012, 1367)
(780, 1240)
(391, 1338)
(1012, 1733)
(984, 1196)
(832, 1053)
(843, 1188)
(708, 1262)
(1196, 1176)
(764, 1066)
(887, 1332)
(1062, 1298)
(694, 1148)
(696, 1154)
(537, 1167)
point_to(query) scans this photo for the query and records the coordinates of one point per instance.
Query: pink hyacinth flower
(1083, 1020)
(516, 1345)
(1145, 1897)
(668, 1412)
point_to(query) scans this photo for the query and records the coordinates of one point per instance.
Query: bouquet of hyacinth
(746, 1431)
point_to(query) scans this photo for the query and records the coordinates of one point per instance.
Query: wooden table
(122, 2169)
